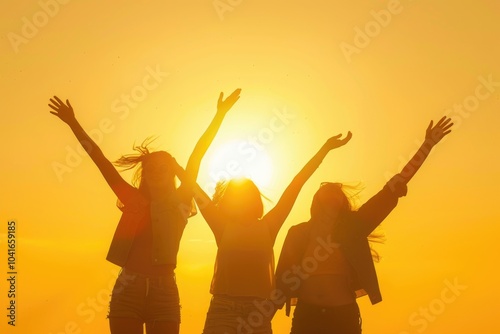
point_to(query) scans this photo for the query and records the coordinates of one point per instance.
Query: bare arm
(375, 210)
(433, 135)
(205, 204)
(188, 178)
(210, 213)
(276, 217)
(65, 112)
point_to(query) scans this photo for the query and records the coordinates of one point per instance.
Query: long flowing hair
(349, 203)
(138, 160)
(241, 193)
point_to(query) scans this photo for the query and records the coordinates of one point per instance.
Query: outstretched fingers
(445, 125)
(223, 105)
(56, 103)
(441, 120)
(59, 101)
(442, 128)
(61, 109)
(429, 128)
(234, 96)
(447, 129)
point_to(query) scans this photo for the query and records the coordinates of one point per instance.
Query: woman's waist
(234, 289)
(338, 309)
(244, 304)
(151, 273)
(247, 289)
(327, 290)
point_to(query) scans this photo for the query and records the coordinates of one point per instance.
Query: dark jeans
(312, 319)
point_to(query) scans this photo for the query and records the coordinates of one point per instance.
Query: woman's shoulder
(132, 200)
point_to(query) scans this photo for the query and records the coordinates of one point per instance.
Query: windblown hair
(130, 161)
(349, 204)
(138, 160)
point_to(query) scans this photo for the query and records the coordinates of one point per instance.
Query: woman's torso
(245, 261)
(329, 277)
(157, 238)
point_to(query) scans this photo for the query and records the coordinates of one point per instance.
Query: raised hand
(433, 135)
(335, 142)
(223, 106)
(61, 110)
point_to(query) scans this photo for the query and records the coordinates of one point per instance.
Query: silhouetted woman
(146, 240)
(327, 262)
(243, 277)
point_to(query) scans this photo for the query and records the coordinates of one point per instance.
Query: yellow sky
(308, 70)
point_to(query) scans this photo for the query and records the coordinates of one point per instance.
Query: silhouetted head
(158, 171)
(155, 170)
(239, 198)
(329, 202)
(333, 201)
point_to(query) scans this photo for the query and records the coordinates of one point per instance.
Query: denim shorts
(308, 318)
(147, 298)
(239, 315)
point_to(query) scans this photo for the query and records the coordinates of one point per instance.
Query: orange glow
(308, 70)
(241, 159)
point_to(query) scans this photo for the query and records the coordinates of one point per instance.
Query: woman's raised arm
(276, 217)
(433, 135)
(188, 177)
(65, 112)
(201, 147)
(375, 210)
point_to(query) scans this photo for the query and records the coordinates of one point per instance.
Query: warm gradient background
(287, 58)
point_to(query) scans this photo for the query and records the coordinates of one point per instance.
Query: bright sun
(239, 158)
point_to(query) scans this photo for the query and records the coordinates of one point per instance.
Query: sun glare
(241, 158)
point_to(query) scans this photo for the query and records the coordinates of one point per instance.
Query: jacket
(167, 222)
(351, 235)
